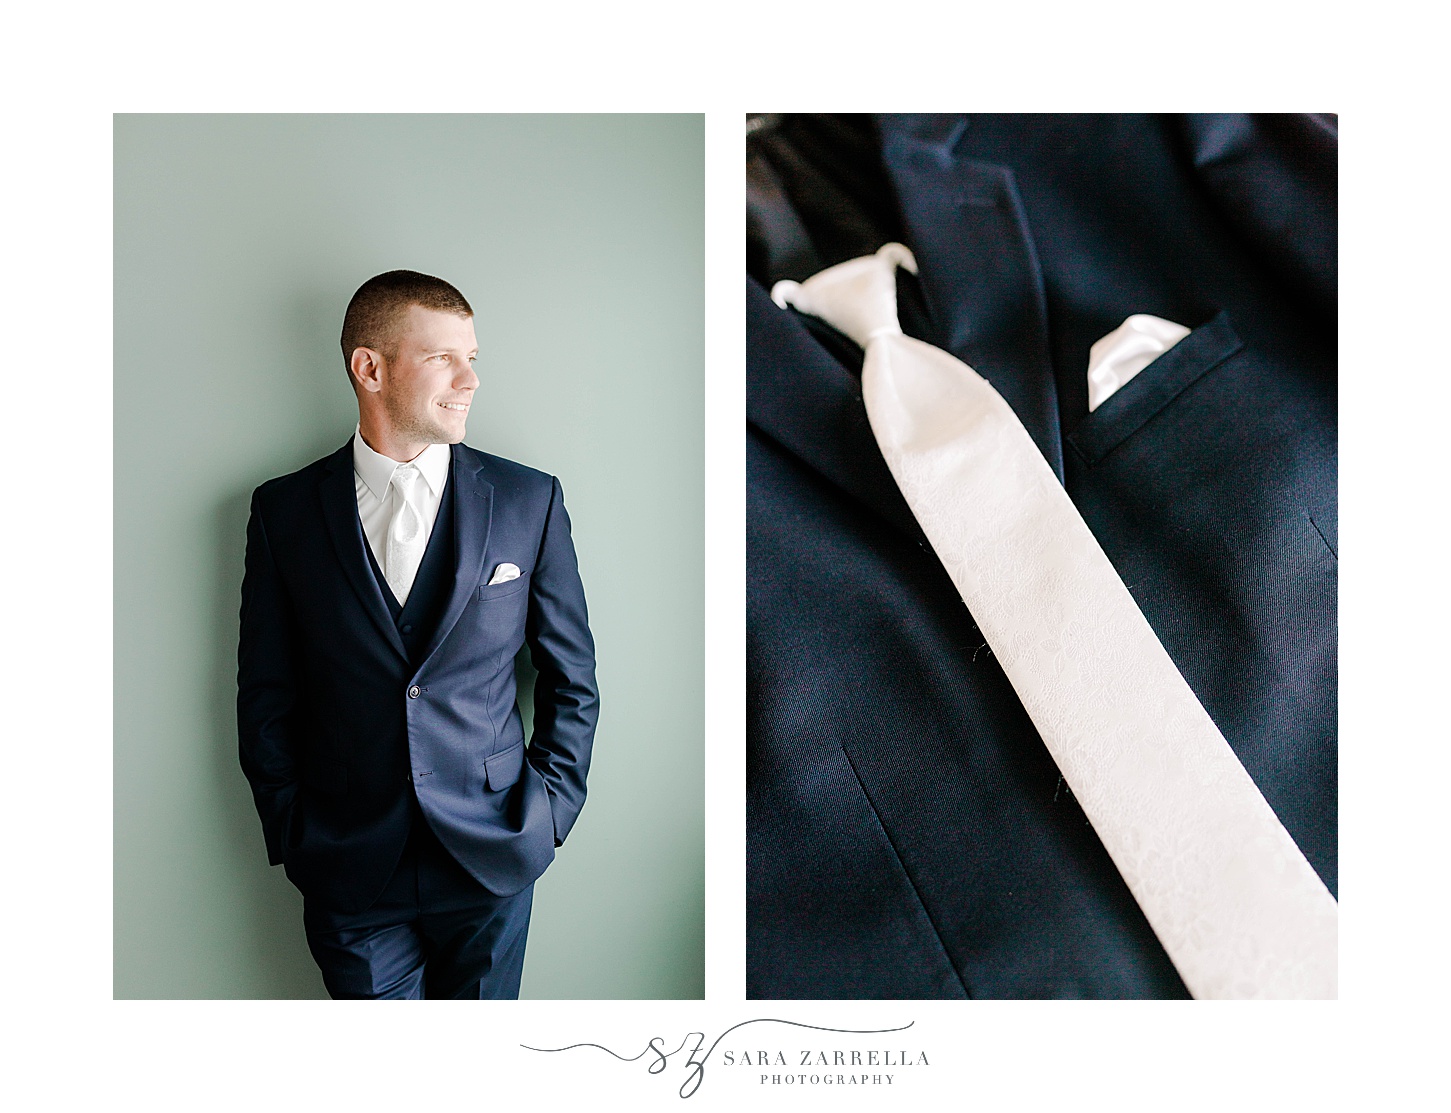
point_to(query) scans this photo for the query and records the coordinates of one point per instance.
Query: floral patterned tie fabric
(406, 538)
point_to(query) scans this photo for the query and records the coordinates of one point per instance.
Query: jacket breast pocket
(1140, 399)
(502, 769)
(489, 592)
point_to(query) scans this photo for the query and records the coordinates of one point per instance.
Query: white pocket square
(503, 574)
(1116, 358)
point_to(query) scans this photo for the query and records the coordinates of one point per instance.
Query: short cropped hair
(372, 317)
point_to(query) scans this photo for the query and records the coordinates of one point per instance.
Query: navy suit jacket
(339, 731)
(908, 833)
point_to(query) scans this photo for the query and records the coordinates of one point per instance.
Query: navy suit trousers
(434, 932)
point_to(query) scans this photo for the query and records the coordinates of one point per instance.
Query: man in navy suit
(388, 589)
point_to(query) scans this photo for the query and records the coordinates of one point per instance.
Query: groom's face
(428, 386)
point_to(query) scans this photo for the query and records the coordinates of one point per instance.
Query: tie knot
(858, 297)
(404, 476)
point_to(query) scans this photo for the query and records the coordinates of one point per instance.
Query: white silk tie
(406, 536)
(1233, 901)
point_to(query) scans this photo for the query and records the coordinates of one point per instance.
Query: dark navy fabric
(908, 834)
(342, 728)
(434, 932)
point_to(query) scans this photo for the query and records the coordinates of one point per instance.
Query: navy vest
(417, 621)
(431, 587)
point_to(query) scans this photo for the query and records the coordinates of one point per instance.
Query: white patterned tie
(1233, 901)
(406, 536)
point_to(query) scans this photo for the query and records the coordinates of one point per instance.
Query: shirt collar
(376, 470)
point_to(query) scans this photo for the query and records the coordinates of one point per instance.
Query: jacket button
(413, 692)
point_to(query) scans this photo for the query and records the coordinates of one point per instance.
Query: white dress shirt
(372, 478)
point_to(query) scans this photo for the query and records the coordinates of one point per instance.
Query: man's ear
(367, 366)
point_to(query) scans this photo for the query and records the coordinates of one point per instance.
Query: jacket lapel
(340, 511)
(809, 402)
(979, 272)
(473, 507)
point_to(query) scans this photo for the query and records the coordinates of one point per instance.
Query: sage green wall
(238, 241)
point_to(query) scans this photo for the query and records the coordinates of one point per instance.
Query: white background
(72, 1047)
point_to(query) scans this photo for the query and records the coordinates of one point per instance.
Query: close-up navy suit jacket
(342, 721)
(908, 833)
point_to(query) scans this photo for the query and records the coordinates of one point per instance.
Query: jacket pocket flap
(508, 587)
(503, 769)
(1153, 388)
